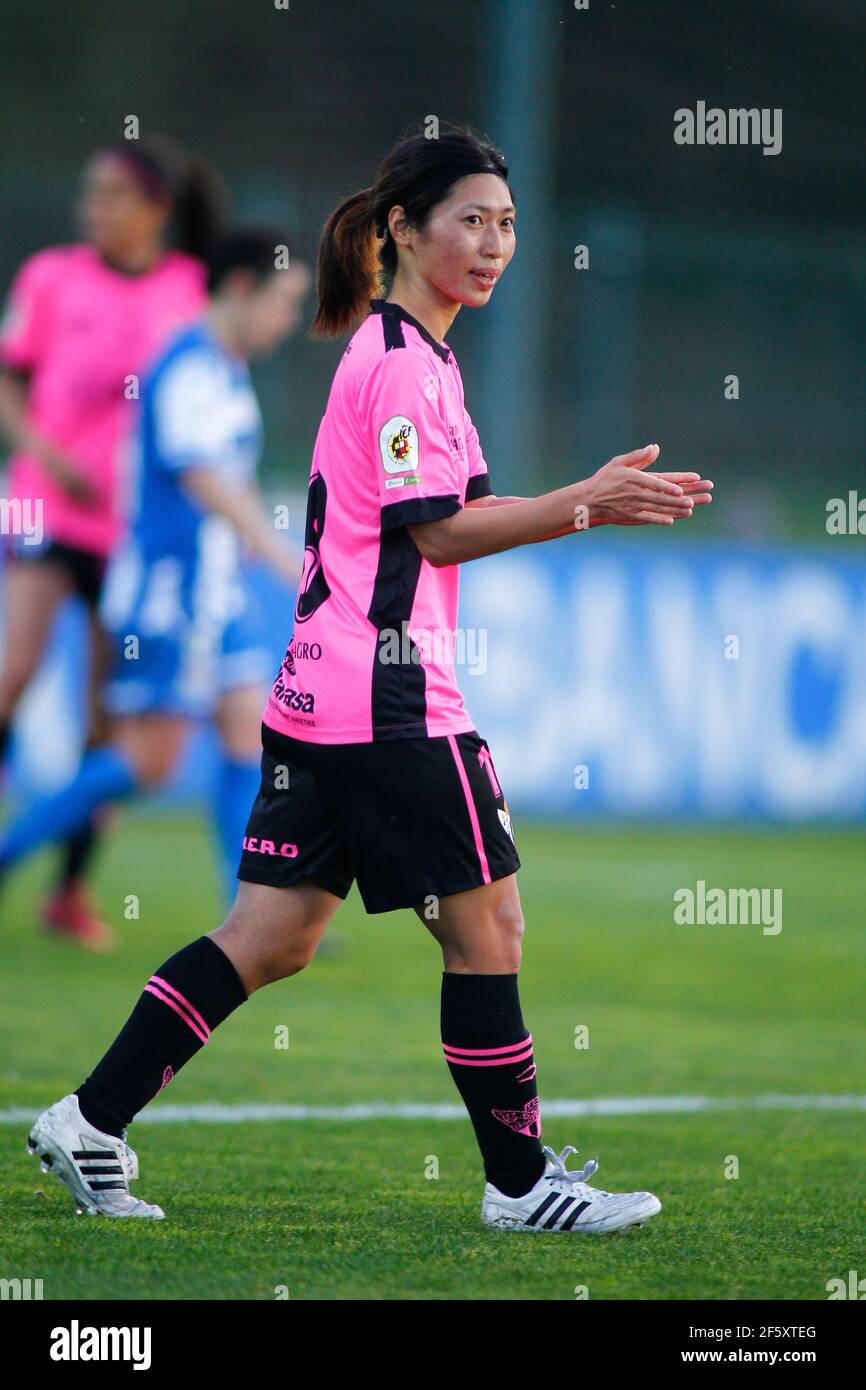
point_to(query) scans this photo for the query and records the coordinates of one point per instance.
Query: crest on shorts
(398, 445)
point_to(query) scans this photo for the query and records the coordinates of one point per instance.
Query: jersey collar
(384, 306)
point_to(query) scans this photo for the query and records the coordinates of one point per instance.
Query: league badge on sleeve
(398, 444)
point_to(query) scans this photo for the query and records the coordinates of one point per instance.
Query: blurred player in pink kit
(81, 323)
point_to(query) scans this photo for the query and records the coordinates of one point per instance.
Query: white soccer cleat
(564, 1201)
(95, 1167)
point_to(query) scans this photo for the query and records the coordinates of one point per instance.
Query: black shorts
(84, 570)
(410, 818)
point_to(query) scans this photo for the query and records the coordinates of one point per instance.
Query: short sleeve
(25, 324)
(479, 480)
(417, 471)
(195, 424)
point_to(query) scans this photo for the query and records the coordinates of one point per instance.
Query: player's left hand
(699, 489)
(693, 485)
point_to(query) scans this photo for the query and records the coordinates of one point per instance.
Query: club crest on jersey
(398, 444)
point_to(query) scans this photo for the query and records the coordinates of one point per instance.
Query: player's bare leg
(32, 595)
(272, 933)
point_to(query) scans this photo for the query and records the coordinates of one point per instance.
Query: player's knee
(282, 963)
(494, 949)
(507, 938)
(509, 926)
(261, 962)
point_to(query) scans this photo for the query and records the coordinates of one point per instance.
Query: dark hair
(246, 248)
(416, 174)
(165, 171)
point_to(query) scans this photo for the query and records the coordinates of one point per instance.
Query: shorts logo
(505, 818)
(257, 846)
(398, 445)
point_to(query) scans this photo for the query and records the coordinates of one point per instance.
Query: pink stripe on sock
(497, 1062)
(473, 814)
(164, 999)
(487, 1051)
(176, 994)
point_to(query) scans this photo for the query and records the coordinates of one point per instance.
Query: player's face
(114, 212)
(272, 309)
(468, 240)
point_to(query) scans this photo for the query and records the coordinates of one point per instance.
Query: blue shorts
(181, 639)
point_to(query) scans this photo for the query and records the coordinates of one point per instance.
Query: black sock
(489, 1055)
(78, 851)
(183, 1001)
(80, 847)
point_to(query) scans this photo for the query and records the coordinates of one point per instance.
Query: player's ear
(398, 226)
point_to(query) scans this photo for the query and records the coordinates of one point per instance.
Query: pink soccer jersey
(82, 330)
(372, 652)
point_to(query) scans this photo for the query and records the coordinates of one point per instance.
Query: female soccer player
(81, 323)
(371, 766)
(189, 637)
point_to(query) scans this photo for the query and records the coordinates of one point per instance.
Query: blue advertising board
(611, 677)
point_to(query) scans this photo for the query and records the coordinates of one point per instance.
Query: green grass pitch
(341, 1209)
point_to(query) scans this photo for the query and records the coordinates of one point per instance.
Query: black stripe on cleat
(563, 1207)
(572, 1217)
(539, 1211)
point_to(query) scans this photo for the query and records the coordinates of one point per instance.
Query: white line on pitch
(165, 1114)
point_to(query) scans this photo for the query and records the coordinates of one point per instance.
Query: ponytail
(348, 273)
(357, 252)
